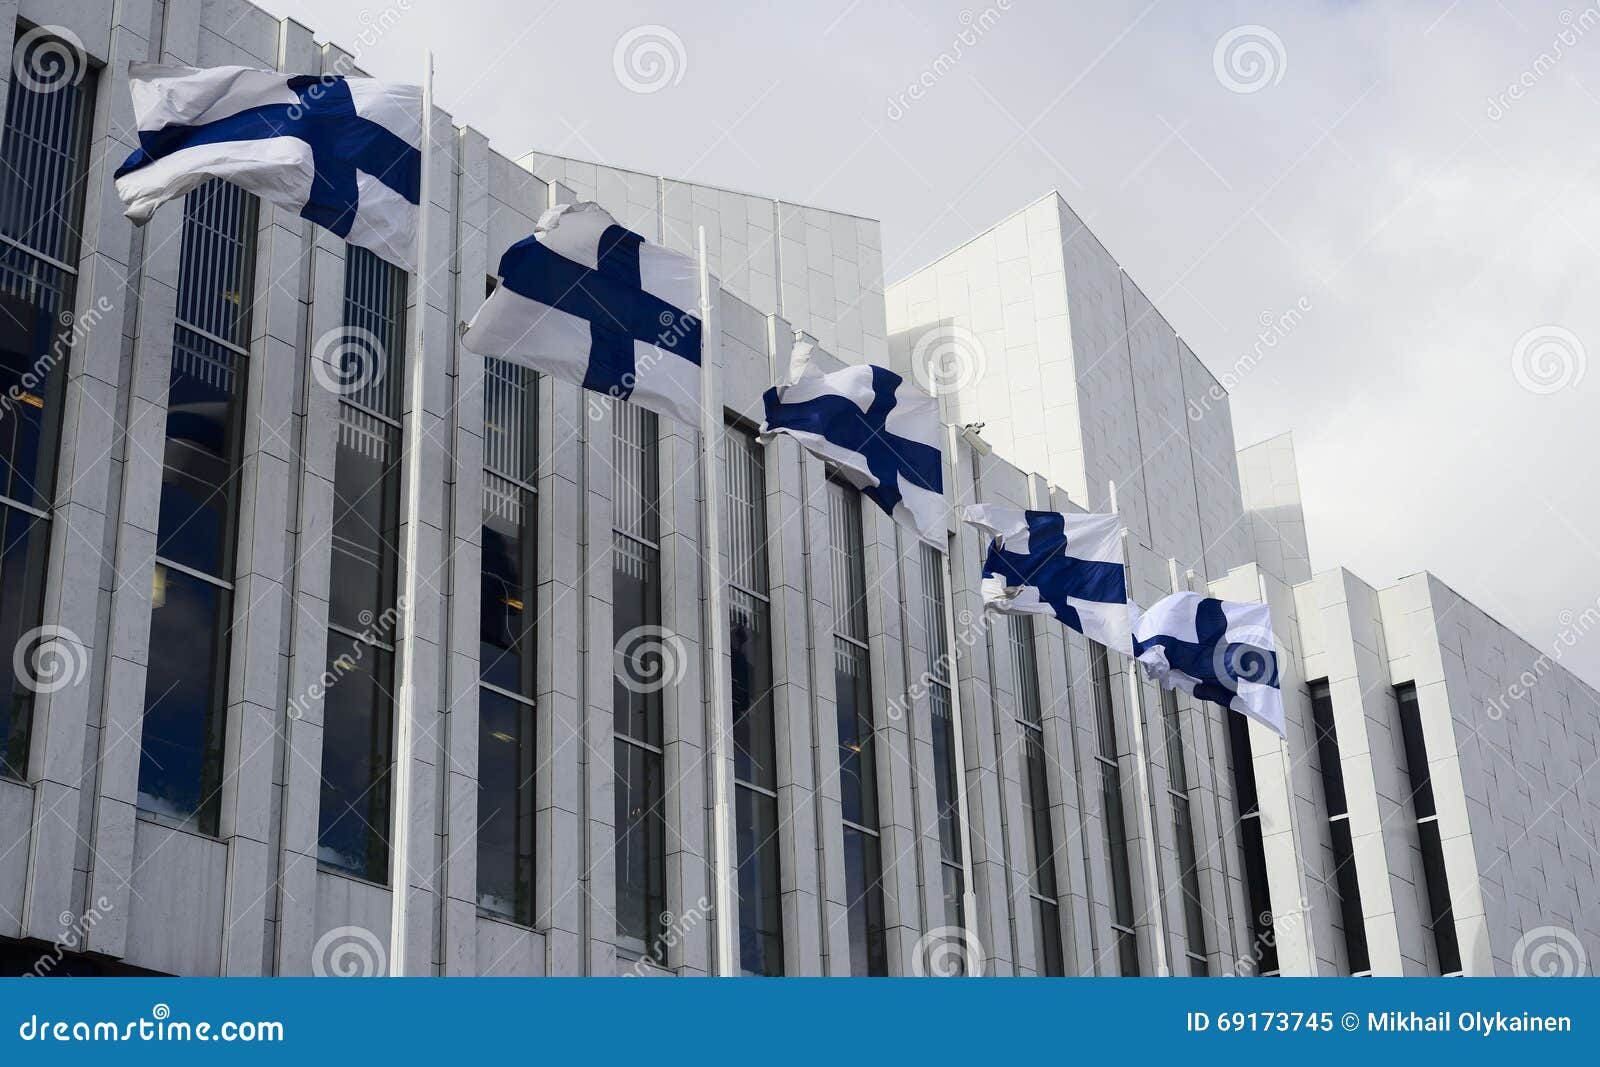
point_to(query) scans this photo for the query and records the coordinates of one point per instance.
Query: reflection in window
(186, 693)
(358, 710)
(1112, 814)
(754, 748)
(942, 706)
(1264, 947)
(858, 778)
(1183, 834)
(45, 148)
(506, 652)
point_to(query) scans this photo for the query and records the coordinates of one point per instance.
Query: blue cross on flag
(1217, 650)
(590, 302)
(343, 152)
(1049, 563)
(880, 432)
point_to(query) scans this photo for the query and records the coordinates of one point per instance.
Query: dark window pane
(1040, 840)
(640, 648)
(955, 911)
(1328, 749)
(1127, 954)
(760, 895)
(848, 558)
(1047, 939)
(858, 782)
(1344, 874)
(1255, 880)
(506, 649)
(641, 852)
(366, 521)
(747, 511)
(199, 478)
(1194, 914)
(510, 420)
(1177, 766)
(1116, 845)
(944, 772)
(46, 134)
(357, 753)
(24, 545)
(635, 473)
(216, 276)
(505, 806)
(372, 350)
(863, 880)
(185, 699)
(34, 346)
(1441, 914)
(749, 643)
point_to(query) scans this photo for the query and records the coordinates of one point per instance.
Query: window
(858, 775)
(1194, 915)
(506, 649)
(1253, 848)
(1039, 833)
(1441, 916)
(191, 603)
(358, 713)
(946, 779)
(45, 148)
(755, 753)
(640, 669)
(1112, 814)
(1344, 853)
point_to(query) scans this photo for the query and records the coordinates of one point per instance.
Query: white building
(202, 559)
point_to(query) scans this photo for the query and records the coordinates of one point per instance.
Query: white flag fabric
(880, 431)
(345, 153)
(585, 300)
(1217, 650)
(1050, 563)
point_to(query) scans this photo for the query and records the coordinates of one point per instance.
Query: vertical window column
(858, 776)
(1441, 916)
(1194, 916)
(640, 670)
(1040, 831)
(1112, 814)
(506, 645)
(946, 777)
(358, 709)
(45, 148)
(755, 754)
(1344, 853)
(191, 599)
(1264, 937)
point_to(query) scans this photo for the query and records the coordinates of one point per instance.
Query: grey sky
(1382, 174)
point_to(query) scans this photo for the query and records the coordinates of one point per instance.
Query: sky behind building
(1414, 181)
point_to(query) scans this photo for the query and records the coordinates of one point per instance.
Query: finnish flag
(1217, 650)
(343, 152)
(587, 301)
(879, 431)
(1049, 563)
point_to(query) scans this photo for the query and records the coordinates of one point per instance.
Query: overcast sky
(1366, 158)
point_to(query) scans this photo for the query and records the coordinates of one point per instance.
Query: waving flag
(343, 152)
(1217, 650)
(881, 433)
(1048, 563)
(587, 301)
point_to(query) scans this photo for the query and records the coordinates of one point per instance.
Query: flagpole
(1142, 763)
(411, 456)
(716, 620)
(969, 896)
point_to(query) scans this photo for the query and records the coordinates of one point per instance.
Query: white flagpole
(405, 710)
(716, 619)
(1142, 763)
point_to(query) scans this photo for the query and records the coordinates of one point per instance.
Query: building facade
(220, 590)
